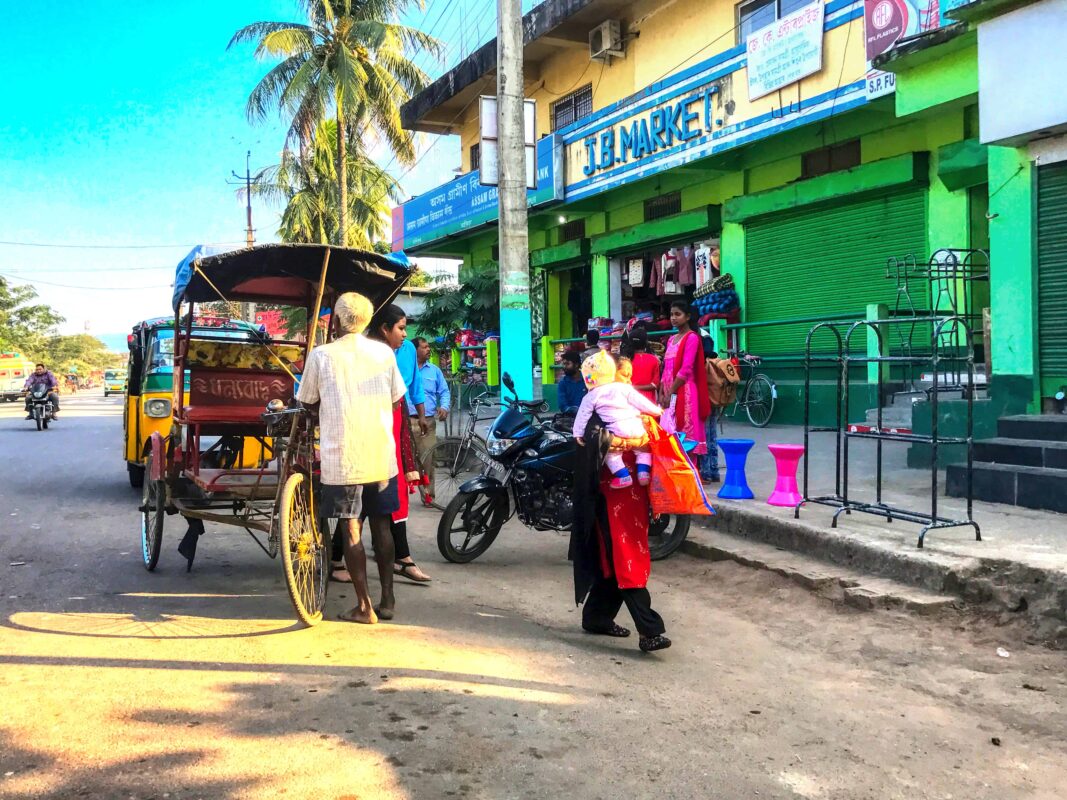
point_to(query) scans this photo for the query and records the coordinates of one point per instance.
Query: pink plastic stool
(786, 458)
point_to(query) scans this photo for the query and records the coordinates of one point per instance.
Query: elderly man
(355, 383)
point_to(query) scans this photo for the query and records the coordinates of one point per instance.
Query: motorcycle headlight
(157, 408)
(497, 447)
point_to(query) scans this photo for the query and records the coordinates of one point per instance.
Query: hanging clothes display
(637, 272)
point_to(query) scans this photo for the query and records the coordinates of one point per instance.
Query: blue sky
(122, 128)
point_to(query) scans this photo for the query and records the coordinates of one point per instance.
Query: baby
(620, 406)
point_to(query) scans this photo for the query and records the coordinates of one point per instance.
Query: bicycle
(457, 459)
(756, 394)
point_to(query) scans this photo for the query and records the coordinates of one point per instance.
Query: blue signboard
(464, 203)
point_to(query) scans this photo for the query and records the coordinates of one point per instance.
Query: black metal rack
(950, 345)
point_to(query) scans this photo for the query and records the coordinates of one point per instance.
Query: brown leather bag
(722, 381)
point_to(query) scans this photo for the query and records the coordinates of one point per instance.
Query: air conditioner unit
(605, 41)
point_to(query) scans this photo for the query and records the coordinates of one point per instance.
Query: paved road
(116, 683)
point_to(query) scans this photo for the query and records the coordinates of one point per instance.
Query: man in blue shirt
(437, 401)
(406, 362)
(571, 387)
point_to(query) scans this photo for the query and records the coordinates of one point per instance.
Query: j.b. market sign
(705, 109)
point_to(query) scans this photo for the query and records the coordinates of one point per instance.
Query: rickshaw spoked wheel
(304, 548)
(153, 509)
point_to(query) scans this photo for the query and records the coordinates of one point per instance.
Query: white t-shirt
(357, 382)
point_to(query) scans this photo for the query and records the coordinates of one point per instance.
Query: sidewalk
(1019, 566)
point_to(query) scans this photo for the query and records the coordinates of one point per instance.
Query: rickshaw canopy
(287, 274)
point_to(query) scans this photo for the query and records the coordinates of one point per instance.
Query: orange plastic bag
(675, 487)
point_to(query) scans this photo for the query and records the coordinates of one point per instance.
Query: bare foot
(357, 614)
(339, 574)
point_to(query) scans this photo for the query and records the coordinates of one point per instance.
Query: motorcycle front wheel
(38, 416)
(470, 524)
(666, 534)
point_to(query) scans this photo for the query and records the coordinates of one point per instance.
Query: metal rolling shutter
(1052, 272)
(828, 261)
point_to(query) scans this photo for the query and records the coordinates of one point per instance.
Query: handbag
(675, 486)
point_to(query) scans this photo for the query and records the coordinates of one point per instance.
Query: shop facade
(802, 187)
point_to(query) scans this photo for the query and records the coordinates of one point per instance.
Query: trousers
(606, 599)
(424, 445)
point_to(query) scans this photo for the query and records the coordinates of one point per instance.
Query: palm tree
(349, 59)
(305, 184)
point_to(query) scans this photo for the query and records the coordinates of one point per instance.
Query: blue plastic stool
(735, 485)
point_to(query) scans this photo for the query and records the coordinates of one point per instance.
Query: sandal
(651, 643)
(611, 630)
(406, 570)
(333, 574)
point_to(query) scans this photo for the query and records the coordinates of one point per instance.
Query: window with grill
(756, 14)
(476, 157)
(663, 206)
(575, 229)
(572, 107)
(835, 158)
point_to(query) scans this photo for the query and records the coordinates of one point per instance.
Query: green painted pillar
(601, 288)
(492, 362)
(948, 224)
(548, 358)
(732, 259)
(877, 346)
(1012, 272)
(554, 302)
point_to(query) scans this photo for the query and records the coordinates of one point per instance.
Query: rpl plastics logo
(882, 14)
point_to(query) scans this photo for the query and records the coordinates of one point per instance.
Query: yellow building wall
(665, 37)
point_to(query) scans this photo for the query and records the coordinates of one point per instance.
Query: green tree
(349, 61)
(80, 353)
(24, 324)
(305, 184)
(474, 304)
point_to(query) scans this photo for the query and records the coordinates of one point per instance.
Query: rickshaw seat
(234, 396)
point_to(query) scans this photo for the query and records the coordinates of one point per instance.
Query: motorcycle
(529, 472)
(41, 408)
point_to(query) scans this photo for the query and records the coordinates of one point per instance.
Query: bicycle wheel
(759, 400)
(305, 554)
(455, 463)
(153, 509)
(475, 391)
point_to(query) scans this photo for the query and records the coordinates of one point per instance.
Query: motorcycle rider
(42, 376)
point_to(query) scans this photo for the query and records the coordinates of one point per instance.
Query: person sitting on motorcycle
(620, 407)
(42, 376)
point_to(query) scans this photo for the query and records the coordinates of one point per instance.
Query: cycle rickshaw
(240, 452)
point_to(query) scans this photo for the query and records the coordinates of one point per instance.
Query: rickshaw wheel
(304, 548)
(153, 509)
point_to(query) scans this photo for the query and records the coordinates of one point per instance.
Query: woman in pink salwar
(684, 388)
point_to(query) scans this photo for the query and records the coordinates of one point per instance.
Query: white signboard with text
(785, 51)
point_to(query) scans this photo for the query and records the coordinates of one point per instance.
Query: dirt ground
(117, 683)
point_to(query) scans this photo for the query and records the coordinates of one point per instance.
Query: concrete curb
(998, 585)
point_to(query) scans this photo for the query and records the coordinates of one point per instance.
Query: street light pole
(248, 310)
(516, 345)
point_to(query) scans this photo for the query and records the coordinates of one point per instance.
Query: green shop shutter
(828, 261)
(1052, 275)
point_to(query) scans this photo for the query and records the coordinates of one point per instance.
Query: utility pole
(248, 310)
(516, 345)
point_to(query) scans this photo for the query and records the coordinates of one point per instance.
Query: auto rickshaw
(150, 378)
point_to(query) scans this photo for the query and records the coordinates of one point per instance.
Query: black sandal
(611, 630)
(402, 568)
(651, 643)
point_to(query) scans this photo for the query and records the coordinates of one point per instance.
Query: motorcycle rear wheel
(473, 519)
(666, 535)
